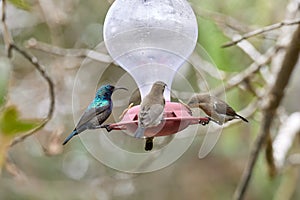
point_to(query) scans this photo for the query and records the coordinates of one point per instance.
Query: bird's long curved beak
(120, 88)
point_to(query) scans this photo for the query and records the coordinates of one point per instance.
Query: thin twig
(244, 75)
(245, 45)
(14, 170)
(273, 100)
(220, 18)
(228, 26)
(262, 30)
(10, 45)
(101, 57)
(33, 60)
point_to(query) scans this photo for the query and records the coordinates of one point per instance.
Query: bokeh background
(43, 169)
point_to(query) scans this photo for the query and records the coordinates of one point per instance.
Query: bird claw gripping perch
(107, 127)
(205, 121)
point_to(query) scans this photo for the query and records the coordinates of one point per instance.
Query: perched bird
(215, 108)
(97, 112)
(151, 111)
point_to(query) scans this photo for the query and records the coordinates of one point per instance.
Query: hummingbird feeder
(151, 39)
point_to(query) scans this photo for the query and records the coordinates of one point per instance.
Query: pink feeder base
(176, 118)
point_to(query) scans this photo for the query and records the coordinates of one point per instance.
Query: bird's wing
(223, 108)
(90, 113)
(151, 115)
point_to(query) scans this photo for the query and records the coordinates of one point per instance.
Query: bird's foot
(205, 122)
(149, 144)
(107, 127)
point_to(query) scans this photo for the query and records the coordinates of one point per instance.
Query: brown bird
(151, 111)
(215, 108)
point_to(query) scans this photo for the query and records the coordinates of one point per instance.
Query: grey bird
(151, 111)
(215, 108)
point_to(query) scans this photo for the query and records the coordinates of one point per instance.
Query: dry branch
(273, 100)
(34, 44)
(10, 45)
(257, 57)
(34, 61)
(285, 138)
(262, 30)
(247, 73)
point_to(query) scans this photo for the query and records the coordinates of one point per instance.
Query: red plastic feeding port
(176, 118)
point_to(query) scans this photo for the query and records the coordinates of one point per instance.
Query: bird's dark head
(107, 90)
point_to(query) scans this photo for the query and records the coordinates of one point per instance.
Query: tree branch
(247, 73)
(10, 45)
(285, 138)
(101, 57)
(262, 30)
(273, 99)
(34, 61)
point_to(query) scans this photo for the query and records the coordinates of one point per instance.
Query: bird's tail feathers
(242, 118)
(70, 136)
(139, 133)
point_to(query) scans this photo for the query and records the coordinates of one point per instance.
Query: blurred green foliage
(4, 78)
(3, 88)
(11, 124)
(211, 39)
(22, 4)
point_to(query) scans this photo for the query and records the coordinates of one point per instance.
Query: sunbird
(215, 108)
(97, 112)
(151, 112)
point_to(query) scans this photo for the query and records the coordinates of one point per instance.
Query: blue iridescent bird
(97, 112)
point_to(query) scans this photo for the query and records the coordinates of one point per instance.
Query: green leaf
(11, 124)
(22, 4)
